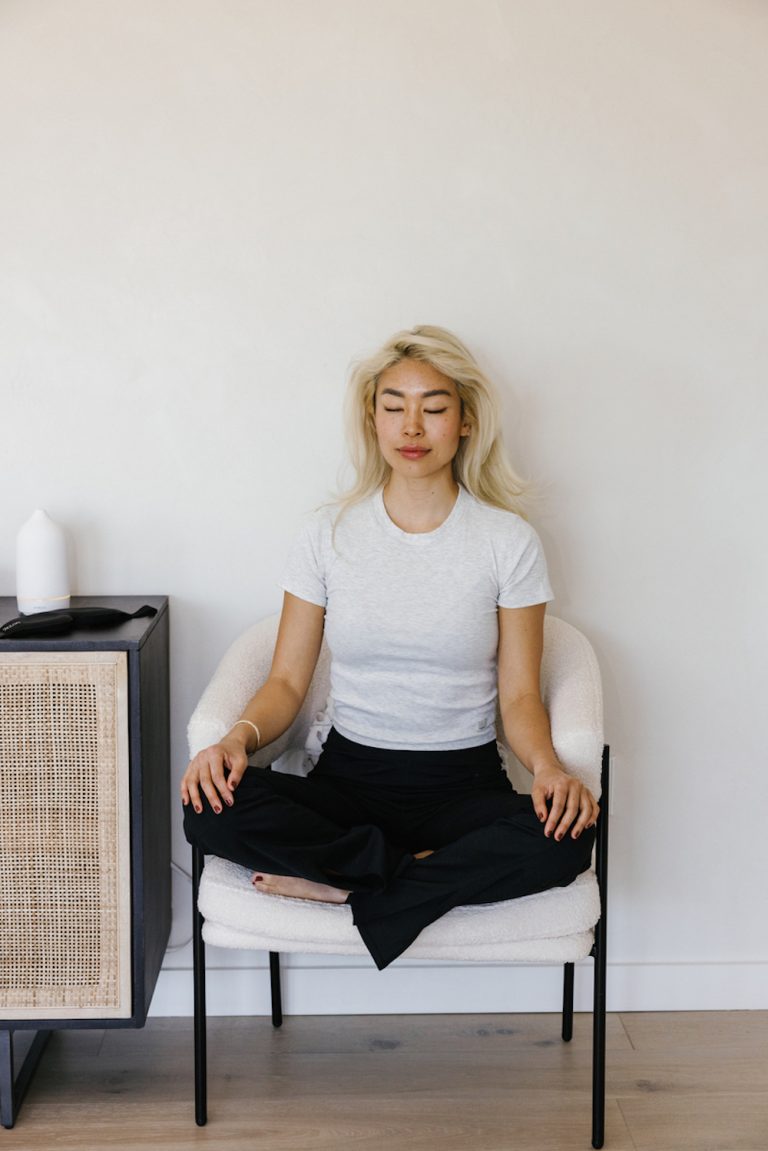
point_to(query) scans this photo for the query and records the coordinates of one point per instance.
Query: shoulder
(498, 524)
(333, 520)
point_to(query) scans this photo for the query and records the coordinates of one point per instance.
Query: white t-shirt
(411, 618)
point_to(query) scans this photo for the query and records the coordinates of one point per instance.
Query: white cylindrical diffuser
(42, 580)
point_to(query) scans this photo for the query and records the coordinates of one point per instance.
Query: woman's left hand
(561, 802)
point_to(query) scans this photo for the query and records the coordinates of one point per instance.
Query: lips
(413, 453)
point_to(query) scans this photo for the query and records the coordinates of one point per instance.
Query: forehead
(413, 378)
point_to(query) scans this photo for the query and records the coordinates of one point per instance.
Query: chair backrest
(570, 683)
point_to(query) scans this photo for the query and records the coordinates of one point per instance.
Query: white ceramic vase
(42, 580)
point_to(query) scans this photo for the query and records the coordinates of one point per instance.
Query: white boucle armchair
(561, 926)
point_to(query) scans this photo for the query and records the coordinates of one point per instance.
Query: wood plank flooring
(676, 1082)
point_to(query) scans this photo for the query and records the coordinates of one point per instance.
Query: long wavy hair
(480, 464)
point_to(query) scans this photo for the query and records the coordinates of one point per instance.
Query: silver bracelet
(253, 725)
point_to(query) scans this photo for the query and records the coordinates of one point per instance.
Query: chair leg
(198, 962)
(274, 981)
(568, 1002)
(599, 953)
(598, 1042)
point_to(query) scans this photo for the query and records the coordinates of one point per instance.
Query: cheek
(450, 431)
(383, 432)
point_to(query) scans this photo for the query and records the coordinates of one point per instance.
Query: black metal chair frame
(598, 954)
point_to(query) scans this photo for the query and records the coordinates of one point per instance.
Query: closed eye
(427, 411)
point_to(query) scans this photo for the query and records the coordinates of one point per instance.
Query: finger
(586, 815)
(207, 786)
(570, 812)
(211, 794)
(594, 810)
(237, 771)
(219, 780)
(194, 795)
(539, 797)
(557, 808)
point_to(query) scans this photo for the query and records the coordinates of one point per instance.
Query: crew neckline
(418, 538)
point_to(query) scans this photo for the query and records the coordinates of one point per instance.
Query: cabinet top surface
(122, 637)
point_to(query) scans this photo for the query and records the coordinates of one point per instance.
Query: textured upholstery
(555, 926)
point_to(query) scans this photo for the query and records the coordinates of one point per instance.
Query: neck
(420, 505)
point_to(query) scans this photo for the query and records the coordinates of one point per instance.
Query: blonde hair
(480, 464)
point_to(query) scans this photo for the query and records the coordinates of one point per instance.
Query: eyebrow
(422, 395)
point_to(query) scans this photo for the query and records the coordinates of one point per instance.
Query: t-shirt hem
(477, 740)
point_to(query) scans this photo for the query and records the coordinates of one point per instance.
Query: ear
(465, 430)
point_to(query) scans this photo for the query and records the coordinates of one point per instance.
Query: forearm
(272, 709)
(526, 726)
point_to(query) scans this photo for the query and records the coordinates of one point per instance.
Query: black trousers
(356, 821)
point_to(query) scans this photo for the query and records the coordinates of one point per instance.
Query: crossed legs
(426, 852)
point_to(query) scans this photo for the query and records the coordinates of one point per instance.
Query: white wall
(208, 208)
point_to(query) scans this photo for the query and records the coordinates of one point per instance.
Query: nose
(413, 424)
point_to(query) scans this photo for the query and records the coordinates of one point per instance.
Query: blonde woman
(431, 589)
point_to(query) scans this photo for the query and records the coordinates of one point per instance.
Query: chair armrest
(241, 672)
(572, 694)
(570, 681)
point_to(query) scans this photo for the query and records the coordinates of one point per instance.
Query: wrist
(545, 766)
(235, 741)
(246, 735)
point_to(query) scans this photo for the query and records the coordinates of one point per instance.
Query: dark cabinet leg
(13, 1090)
(7, 1086)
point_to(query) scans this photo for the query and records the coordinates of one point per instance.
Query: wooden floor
(676, 1082)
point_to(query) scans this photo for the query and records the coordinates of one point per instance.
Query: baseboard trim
(319, 986)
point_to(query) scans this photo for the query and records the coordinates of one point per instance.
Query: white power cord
(187, 875)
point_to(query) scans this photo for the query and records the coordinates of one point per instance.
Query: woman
(431, 590)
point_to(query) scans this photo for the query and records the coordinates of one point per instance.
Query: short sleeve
(304, 572)
(523, 577)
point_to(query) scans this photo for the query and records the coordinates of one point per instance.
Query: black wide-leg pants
(356, 821)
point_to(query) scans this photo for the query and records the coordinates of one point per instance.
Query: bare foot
(297, 888)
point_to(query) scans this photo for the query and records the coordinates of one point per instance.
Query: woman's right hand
(216, 771)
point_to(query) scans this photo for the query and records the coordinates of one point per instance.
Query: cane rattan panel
(65, 939)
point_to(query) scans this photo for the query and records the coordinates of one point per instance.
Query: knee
(206, 829)
(193, 824)
(569, 856)
(566, 857)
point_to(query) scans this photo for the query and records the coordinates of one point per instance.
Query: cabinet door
(65, 862)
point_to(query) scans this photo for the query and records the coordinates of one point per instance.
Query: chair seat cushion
(555, 926)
